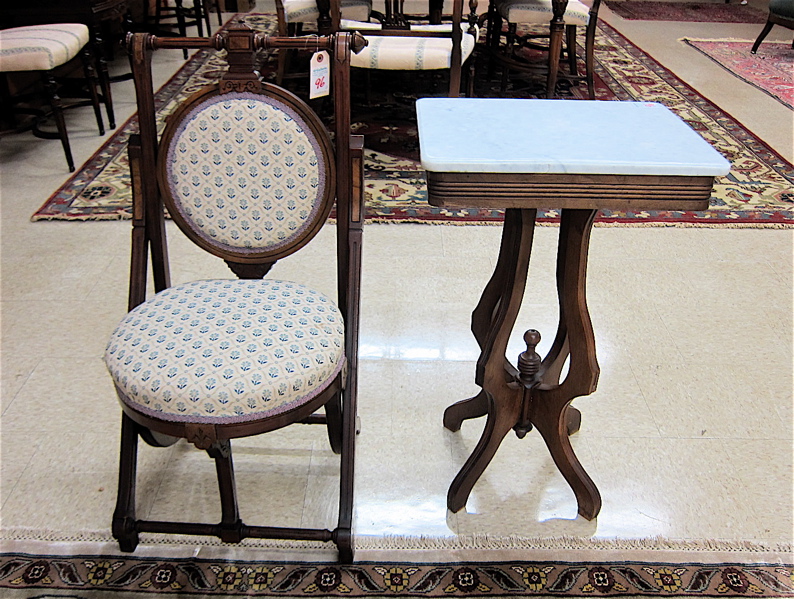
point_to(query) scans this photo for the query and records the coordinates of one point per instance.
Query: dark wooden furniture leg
(435, 10)
(513, 398)
(492, 323)
(550, 402)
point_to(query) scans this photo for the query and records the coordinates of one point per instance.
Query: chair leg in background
(570, 32)
(555, 48)
(767, 28)
(51, 87)
(91, 77)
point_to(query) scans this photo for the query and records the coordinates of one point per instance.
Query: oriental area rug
(758, 192)
(89, 576)
(699, 12)
(771, 70)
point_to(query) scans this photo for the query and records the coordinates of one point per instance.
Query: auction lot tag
(319, 75)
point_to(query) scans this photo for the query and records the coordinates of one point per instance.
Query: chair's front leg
(124, 523)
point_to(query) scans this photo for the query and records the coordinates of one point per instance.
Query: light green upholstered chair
(44, 48)
(781, 12)
(541, 12)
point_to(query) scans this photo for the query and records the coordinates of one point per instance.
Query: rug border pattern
(218, 577)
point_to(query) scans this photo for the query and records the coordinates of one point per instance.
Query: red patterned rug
(757, 192)
(771, 70)
(698, 12)
(93, 576)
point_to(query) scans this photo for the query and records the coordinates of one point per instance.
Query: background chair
(293, 15)
(781, 12)
(395, 43)
(188, 13)
(249, 173)
(43, 48)
(558, 16)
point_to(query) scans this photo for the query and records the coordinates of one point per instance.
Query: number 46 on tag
(319, 75)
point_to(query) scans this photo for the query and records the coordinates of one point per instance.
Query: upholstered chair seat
(292, 15)
(306, 11)
(540, 12)
(226, 350)
(410, 53)
(41, 47)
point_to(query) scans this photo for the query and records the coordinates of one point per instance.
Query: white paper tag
(319, 75)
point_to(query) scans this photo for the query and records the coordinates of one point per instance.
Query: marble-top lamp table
(579, 156)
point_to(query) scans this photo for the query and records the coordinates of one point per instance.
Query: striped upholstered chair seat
(40, 47)
(306, 11)
(292, 15)
(540, 12)
(409, 53)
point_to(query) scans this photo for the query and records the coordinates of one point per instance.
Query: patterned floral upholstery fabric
(246, 172)
(305, 11)
(540, 12)
(226, 350)
(40, 47)
(411, 53)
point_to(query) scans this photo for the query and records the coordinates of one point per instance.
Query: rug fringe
(476, 541)
(490, 542)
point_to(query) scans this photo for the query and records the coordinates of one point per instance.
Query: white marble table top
(505, 135)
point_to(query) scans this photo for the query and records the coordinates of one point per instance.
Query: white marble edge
(560, 136)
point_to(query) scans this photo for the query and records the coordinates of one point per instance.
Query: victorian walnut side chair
(250, 174)
(562, 19)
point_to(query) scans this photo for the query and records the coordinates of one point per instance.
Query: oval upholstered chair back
(247, 176)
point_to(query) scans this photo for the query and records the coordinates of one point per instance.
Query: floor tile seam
(22, 473)
(22, 384)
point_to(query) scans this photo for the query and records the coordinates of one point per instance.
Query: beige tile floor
(689, 436)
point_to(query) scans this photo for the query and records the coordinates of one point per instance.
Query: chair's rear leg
(589, 48)
(51, 88)
(124, 524)
(570, 32)
(343, 535)
(231, 525)
(87, 58)
(181, 24)
(333, 420)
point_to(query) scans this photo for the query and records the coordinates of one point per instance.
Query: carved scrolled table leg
(531, 395)
(503, 398)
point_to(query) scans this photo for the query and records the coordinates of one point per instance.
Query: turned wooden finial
(529, 361)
